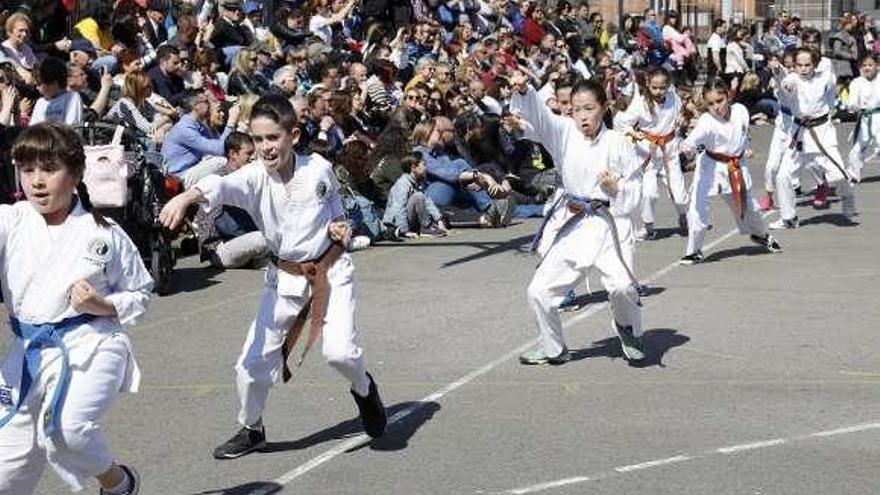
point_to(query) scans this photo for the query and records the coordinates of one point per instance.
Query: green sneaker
(537, 356)
(632, 345)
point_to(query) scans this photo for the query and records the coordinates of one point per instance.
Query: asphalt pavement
(765, 376)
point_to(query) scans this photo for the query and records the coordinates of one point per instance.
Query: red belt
(735, 176)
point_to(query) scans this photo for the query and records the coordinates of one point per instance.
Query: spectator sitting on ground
(191, 148)
(410, 212)
(56, 104)
(230, 238)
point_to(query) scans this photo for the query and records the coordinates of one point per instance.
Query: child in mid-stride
(71, 280)
(410, 211)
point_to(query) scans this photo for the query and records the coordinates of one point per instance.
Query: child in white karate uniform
(722, 169)
(864, 99)
(590, 225)
(781, 151)
(294, 201)
(653, 118)
(815, 138)
(71, 280)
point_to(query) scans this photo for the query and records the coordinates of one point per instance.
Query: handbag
(107, 172)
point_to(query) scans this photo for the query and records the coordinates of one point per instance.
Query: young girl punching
(294, 200)
(589, 225)
(722, 169)
(653, 119)
(71, 280)
(864, 99)
(814, 138)
(781, 151)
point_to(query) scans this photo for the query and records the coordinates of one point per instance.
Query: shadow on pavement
(657, 343)
(833, 218)
(753, 250)
(191, 279)
(395, 438)
(520, 244)
(255, 487)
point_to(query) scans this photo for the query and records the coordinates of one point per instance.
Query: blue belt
(589, 207)
(40, 337)
(787, 111)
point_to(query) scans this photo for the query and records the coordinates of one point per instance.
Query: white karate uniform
(38, 266)
(731, 138)
(813, 98)
(295, 219)
(569, 255)
(864, 95)
(662, 121)
(781, 151)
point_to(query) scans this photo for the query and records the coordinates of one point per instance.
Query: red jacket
(533, 32)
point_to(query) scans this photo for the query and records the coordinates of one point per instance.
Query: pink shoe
(820, 197)
(765, 202)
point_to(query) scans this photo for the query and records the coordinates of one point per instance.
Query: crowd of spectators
(408, 98)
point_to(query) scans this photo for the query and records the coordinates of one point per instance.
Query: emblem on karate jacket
(100, 251)
(6, 396)
(321, 189)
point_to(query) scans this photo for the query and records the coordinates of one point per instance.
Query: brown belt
(315, 309)
(735, 176)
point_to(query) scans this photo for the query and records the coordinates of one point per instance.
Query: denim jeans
(445, 194)
(234, 222)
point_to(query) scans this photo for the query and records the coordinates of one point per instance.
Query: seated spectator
(231, 238)
(134, 111)
(244, 78)
(290, 27)
(78, 82)
(410, 211)
(454, 182)
(230, 35)
(284, 81)
(154, 27)
(207, 66)
(322, 22)
(165, 75)
(56, 104)
(191, 148)
(16, 47)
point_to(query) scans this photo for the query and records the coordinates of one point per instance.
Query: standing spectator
(735, 65)
(770, 40)
(843, 51)
(717, 50)
(56, 104)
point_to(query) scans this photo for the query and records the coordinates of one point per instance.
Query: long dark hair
(58, 144)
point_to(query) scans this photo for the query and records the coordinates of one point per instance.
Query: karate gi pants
(780, 153)
(651, 182)
(586, 244)
(259, 365)
(78, 450)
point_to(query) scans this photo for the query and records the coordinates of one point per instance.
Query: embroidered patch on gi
(5, 396)
(99, 251)
(321, 190)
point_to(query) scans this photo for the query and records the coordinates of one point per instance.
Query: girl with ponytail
(70, 281)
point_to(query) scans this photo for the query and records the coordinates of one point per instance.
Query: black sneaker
(692, 259)
(244, 442)
(134, 479)
(768, 242)
(391, 233)
(372, 410)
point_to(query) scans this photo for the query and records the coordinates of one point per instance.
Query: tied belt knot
(810, 125)
(735, 177)
(39, 337)
(660, 141)
(315, 309)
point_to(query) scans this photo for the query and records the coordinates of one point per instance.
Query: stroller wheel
(161, 263)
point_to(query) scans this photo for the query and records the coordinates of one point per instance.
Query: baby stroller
(126, 183)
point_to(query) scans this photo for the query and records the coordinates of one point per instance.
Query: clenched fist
(85, 299)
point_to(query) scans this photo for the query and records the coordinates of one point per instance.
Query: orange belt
(737, 181)
(660, 141)
(315, 309)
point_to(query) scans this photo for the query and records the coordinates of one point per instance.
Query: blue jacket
(395, 210)
(188, 142)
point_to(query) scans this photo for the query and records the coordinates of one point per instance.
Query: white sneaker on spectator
(358, 243)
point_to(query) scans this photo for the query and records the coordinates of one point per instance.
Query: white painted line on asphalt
(750, 446)
(362, 439)
(650, 464)
(851, 429)
(683, 458)
(546, 486)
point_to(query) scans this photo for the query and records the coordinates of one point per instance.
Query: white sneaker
(358, 243)
(783, 224)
